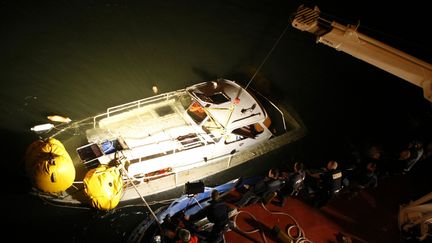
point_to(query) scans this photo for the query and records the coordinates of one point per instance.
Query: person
(169, 228)
(293, 183)
(382, 158)
(217, 213)
(262, 189)
(364, 178)
(185, 236)
(369, 178)
(330, 183)
(415, 153)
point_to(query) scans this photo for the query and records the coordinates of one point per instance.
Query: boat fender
(104, 187)
(42, 127)
(49, 166)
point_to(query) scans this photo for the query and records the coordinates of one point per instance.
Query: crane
(348, 39)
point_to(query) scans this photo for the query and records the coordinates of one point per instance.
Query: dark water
(76, 58)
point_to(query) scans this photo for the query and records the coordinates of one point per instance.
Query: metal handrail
(136, 104)
(271, 103)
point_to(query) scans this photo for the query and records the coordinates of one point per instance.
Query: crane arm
(346, 38)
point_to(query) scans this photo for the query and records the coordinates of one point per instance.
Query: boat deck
(139, 125)
(370, 216)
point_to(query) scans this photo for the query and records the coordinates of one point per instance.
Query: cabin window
(250, 131)
(217, 98)
(231, 138)
(196, 112)
(164, 110)
(203, 97)
(213, 129)
(189, 141)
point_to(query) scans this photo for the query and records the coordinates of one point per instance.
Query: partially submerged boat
(161, 142)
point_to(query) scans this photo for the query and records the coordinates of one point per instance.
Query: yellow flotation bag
(49, 165)
(104, 186)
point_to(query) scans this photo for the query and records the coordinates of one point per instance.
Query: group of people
(364, 172)
(183, 231)
(318, 186)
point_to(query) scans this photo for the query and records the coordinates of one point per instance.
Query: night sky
(76, 58)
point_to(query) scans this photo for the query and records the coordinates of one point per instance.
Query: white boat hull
(150, 144)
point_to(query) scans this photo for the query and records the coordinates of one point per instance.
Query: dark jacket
(216, 213)
(332, 181)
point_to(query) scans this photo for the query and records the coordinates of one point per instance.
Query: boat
(159, 143)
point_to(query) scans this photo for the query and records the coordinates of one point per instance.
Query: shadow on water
(13, 149)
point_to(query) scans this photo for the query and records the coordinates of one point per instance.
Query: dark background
(76, 58)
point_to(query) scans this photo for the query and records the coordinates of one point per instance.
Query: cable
(301, 234)
(268, 55)
(252, 231)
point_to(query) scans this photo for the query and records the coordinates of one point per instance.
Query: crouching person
(185, 236)
(330, 183)
(216, 213)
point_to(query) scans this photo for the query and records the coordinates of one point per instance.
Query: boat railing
(280, 112)
(136, 104)
(180, 145)
(66, 129)
(274, 106)
(142, 178)
(183, 144)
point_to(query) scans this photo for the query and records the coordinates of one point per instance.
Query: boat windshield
(250, 131)
(216, 98)
(212, 128)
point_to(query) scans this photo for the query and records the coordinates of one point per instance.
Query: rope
(252, 231)
(142, 198)
(301, 237)
(268, 54)
(260, 66)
